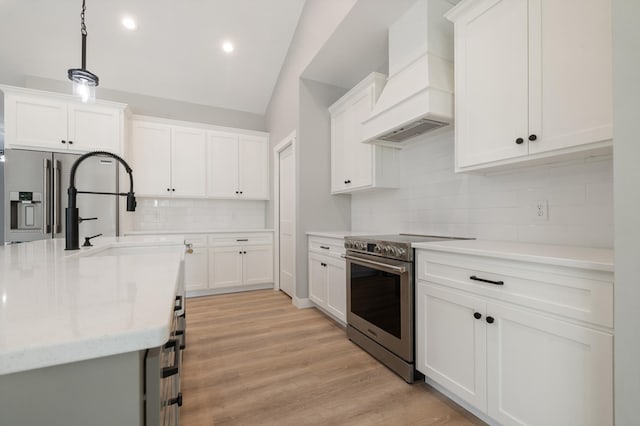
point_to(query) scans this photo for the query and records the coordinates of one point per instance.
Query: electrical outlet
(541, 210)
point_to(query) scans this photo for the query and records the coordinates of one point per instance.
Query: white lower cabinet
(327, 276)
(543, 371)
(235, 266)
(517, 365)
(224, 263)
(451, 343)
(196, 274)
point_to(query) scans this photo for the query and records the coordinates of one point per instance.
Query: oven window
(375, 297)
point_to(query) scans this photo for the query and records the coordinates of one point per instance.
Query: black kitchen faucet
(72, 215)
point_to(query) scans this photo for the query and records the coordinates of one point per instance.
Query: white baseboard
(302, 303)
(238, 289)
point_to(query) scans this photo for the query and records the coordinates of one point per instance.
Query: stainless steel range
(380, 298)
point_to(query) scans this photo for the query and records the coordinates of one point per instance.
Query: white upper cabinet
(356, 165)
(533, 80)
(168, 161)
(237, 166)
(172, 160)
(150, 154)
(94, 128)
(253, 174)
(188, 162)
(38, 120)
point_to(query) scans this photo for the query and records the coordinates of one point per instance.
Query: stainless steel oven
(380, 298)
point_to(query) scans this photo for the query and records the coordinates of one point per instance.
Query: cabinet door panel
(317, 279)
(151, 159)
(225, 267)
(222, 166)
(195, 269)
(451, 342)
(93, 128)
(35, 122)
(336, 288)
(188, 176)
(339, 152)
(253, 164)
(258, 264)
(492, 83)
(545, 371)
(360, 155)
(571, 74)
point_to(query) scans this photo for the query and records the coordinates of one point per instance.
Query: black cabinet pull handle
(63, 141)
(239, 252)
(532, 137)
(178, 305)
(173, 189)
(244, 252)
(168, 189)
(169, 371)
(170, 344)
(70, 142)
(242, 239)
(324, 247)
(490, 320)
(519, 141)
(241, 192)
(477, 315)
(237, 192)
(473, 277)
(177, 400)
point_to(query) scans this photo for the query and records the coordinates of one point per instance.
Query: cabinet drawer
(324, 245)
(240, 239)
(196, 240)
(574, 293)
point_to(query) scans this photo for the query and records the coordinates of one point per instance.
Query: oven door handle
(400, 269)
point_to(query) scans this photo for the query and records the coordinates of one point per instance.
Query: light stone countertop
(198, 231)
(58, 307)
(337, 234)
(597, 259)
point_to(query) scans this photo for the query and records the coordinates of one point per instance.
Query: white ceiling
(175, 52)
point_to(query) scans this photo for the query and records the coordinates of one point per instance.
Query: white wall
(626, 69)
(190, 215)
(316, 208)
(160, 107)
(434, 200)
(318, 20)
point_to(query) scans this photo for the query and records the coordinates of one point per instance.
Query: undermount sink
(133, 250)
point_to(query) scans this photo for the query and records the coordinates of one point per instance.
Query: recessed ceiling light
(227, 46)
(129, 23)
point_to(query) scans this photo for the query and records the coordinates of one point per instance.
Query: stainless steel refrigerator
(35, 195)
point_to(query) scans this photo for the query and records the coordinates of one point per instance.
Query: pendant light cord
(83, 27)
(83, 31)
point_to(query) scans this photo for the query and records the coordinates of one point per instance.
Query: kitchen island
(75, 327)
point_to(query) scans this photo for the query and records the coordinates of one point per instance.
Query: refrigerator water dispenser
(25, 211)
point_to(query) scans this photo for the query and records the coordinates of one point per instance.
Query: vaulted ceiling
(175, 52)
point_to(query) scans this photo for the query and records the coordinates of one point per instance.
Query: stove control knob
(347, 244)
(401, 252)
(378, 248)
(395, 251)
(386, 250)
(362, 246)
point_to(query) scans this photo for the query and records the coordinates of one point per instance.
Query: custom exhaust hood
(418, 96)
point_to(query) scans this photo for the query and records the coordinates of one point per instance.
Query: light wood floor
(254, 359)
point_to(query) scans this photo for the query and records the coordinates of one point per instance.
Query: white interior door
(286, 207)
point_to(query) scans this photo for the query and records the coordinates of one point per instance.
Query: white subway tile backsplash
(184, 214)
(433, 199)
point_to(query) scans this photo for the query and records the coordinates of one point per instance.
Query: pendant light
(84, 81)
